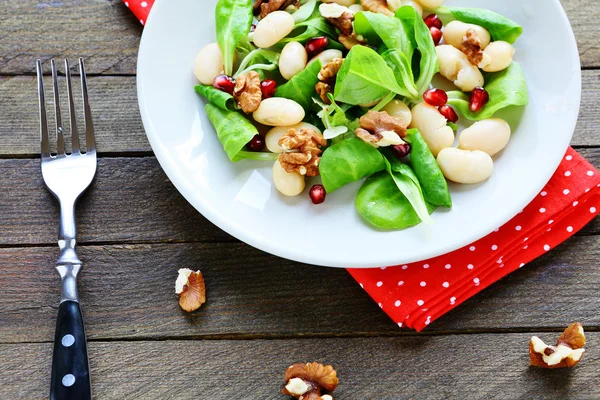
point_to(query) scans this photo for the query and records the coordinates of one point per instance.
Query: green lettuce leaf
(233, 19)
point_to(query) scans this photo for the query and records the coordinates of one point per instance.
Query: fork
(67, 177)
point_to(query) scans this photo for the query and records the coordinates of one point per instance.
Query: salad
(342, 91)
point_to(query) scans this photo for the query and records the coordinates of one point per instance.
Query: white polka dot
(400, 283)
(380, 305)
(428, 321)
(494, 247)
(568, 158)
(425, 266)
(476, 281)
(68, 380)
(445, 284)
(542, 210)
(383, 268)
(587, 190)
(420, 302)
(569, 229)
(470, 266)
(142, 21)
(67, 340)
(525, 248)
(499, 260)
(379, 284)
(590, 173)
(144, 4)
(472, 248)
(575, 203)
(543, 194)
(404, 266)
(548, 230)
(452, 300)
(397, 303)
(127, 4)
(497, 230)
(447, 266)
(518, 228)
(550, 222)
(501, 265)
(546, 247)
(423, 284)
(592, 209)
(400, 324)
(521, 265)
(568, 173)
(566, 191)
(526, 239)
(361, 285)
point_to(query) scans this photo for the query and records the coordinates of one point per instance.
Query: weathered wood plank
(135, 283)
(486, 366)
(119, 127)
(107, 34)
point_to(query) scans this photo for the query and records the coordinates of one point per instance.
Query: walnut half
(191, 289)
(327, 79)
(309, 381)
(567, 352)
(301, 151)
(247, 91)
(380, 129)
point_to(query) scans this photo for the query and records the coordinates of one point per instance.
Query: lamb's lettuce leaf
(301, 88)
(233, 19)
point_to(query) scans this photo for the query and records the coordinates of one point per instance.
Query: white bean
(489, 135)
(273, 136)
(432, 125)
(431, 4)
(293, 60)
(455, 31)
(396, 4)
(288, 183)
(455, 66)
(500, 55)
(354, 8)
(345, 3)
(465, 166)
(278, 111)
(327, 56)
(272, 28)
(332, 10)
(397, 108)
(208, 64)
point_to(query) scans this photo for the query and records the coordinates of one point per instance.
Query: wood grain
(485, 366)
(119, 127)
(127, 292)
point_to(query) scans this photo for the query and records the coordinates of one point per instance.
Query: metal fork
(67, 177)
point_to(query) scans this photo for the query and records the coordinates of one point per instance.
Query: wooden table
(263, 312)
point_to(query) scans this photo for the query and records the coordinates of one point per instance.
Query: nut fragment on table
(310, 381)
(301, 151)
(377, 6)
(266, 7)
(191, 289)
(380, 129)
(247, 91)
(567, 352)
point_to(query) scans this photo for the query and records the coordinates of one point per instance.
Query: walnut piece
(247, 91)
(345, 23)
(308, 381)
(471, 46)
(330, 70)
(378, 128)
(377, 6)
(301, 151)
(191, 289)
(266, 7)
(349, 41)
(323, 89)
(567, 352)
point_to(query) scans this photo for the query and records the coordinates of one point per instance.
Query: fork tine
(60, 139)
(45, 143)
(89, 127)
(74, 134)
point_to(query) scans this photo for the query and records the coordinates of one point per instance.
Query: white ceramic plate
(240, 198)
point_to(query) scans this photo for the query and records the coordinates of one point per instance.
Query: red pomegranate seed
(479, 98)
(267, 87)
(432, 20)
(448, 113)
(317, 194)
(257, 143)
(401, 150)
(316, 45)
(436, 35)
(435, 97)
(224, 83)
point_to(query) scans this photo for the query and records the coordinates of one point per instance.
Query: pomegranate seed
(479, 98)
(224, 83)
(316, 45)
(433, 20)
(267, 87)
(257, 143)
(435, 97)
(317, 194)
(448, 113)
(436, 35)
(401, 150)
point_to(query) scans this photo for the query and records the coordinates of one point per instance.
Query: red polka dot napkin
(416, 294)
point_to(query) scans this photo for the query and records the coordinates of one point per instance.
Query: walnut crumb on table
(567, 352)
(310, 381)
(191, 289)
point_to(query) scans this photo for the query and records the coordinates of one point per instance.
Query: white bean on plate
(208, 64)
(293, 60)
(432, 125)
(273, 28)
(288, 183)
(279, 111)
(489, 135)
(465, 166)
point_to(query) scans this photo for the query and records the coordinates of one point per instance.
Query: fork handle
(70, 378)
